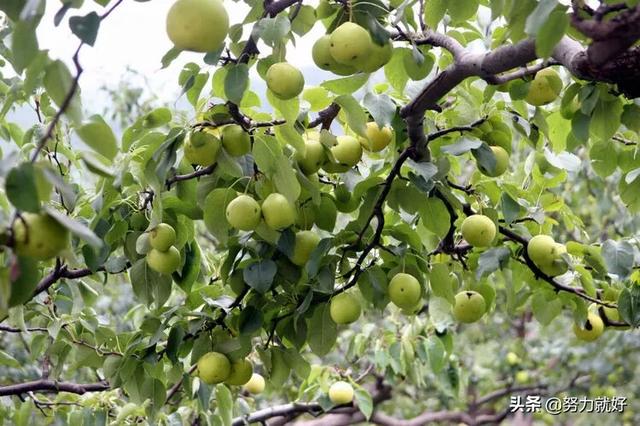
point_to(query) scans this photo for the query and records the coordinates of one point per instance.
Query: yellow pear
(197, 25)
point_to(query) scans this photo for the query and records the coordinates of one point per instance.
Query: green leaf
(21, 188)
(629, 305)
(441, 283)
(395, 72)
(345, 85)
(225, 404)
(259, 275)
(364, 402)
(98, 135)
(8, 360)
(435, 216)
(144, 281)
(381, 108)
(287, 134)
(78, 229)
(462, 10)
(356, 117)
(24, 280)
(546, 306)
(436, 353)
(236, 82)
(250, 320)
(605, 119)
(539, 16)
(461, 146)
(603, 158)
(491, 260)
(24, 44)
(214, 208)
(618, 256)
(58, 83)
(85, 27)
(322, 331)
(434, 11)
(551, 32)
(273, 30)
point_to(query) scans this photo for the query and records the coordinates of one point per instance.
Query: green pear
(197, 25)
(376, 139)
(164, 262)
(350, 44)
(323, 59)
(162, 237)
(278, 213)
(39, 236)
(235, 140)
(202, 147)
(285, 80)
(469, 307)
(255, 385)
(345, 308)
(378, 57)
(404, 291)
(306, 242)
(545, 87)
(243, 213)
(341, 393)
(502, 162)
(213, 368)
(592, 328)
(313, 158)
(478, 230)
(241, 372)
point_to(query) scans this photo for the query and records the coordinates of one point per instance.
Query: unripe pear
(162, 237)
(243, 213)
(241, 372)
(285, 80)
(197, 25)
(345, 308)
(235, 140)
(341, 393)
(469, 307)
(349, 44)
(347, 152)
(323, 59)
(255, 385)
(545, 87)
(592, 328)
(502, 162)
(377, 58)
(201, 148)
(164, 262)
(313, 158)
(39, 236)
(213, 368)
(306, 242)
(278, 212)
(522, 376)
(377, 139)
(513, 359)
(478, 230)
(547, 255)
(404, 290)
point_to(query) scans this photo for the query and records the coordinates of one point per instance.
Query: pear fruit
(313, 157)
(545, 87)
(378, 57)
(345, 308)
(241, 372)
(39, 236)
(164, 262)
(469, 307)
(502, 162)
(404, 291)
(243, 213)
(478, 230)
(347, 153)
(350, 44)
(255, 385)
(278, 213)
(201, 148)
(323, 59)
(213, 368)
(162, 237)
(341, 393)
(306, 242)
(592, 328)
(284, 80)
(197, 25)
(376, 139)
(235, 140)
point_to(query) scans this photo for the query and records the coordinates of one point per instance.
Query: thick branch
(53, 386)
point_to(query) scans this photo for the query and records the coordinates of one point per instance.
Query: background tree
(400, 250)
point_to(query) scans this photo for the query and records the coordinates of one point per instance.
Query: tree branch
(200, 172)
(52, 386)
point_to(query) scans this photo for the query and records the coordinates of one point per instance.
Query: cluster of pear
(498, 136)
(215, 367)
(346, 153)
(163, 257)
(547, 255)
(350, 49)
(202, 146)
(39, 236)
(197, 25)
